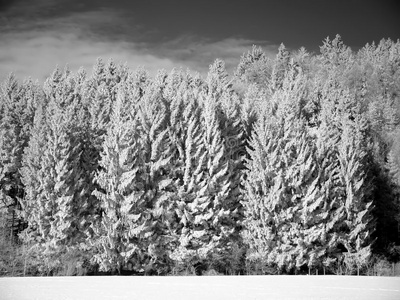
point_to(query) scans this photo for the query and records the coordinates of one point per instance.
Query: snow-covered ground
(192, 287)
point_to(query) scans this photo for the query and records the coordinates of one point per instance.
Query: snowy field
(192, 287)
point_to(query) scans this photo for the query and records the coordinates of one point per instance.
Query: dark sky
(37, 35)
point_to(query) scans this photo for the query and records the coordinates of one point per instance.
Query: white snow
(193, 287)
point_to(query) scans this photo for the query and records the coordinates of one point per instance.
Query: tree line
(288, 165)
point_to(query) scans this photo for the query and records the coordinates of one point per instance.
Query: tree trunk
(12, 227)
(25, 259)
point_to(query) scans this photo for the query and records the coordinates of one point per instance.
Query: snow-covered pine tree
(96, 94)
(312, 210)
(82, 135)
(393, 164)
(253, 101)
(342, 146)
(199, 172)
(54, 202)
(125, 224)
(233, 134)
(280, 67)
(204, 194)
(11, 147)
(96, 105)
(17, 105)
(189, 156)
(67, 112)
(51, 171)
(63, 184)
(10, 153)
(257, 184)
(217, 79)
(377, 89)
(302, 58)
(35, 210)
(153, 119)
(17, 108)
(334, 52)
(327, 135)
(281, 186)
(109, 74)
(352, 156)
(227, 111)
(10, 183)
(329, 186)
(174, 81)
(254, 67)
(308, 211)
(336, 60)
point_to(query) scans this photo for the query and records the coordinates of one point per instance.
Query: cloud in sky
(37, 53)
(35, 48)
(199, 53)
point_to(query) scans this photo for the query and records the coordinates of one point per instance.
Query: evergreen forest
(290, 165)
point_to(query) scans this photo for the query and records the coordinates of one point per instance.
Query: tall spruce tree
(17, 107)
(342, 144)
(158, 185)
(125, 224)
(188, 163)
(54, 202)
(281, 184)
(254, 67)
(11, 147)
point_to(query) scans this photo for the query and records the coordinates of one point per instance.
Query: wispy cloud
(35, 48)
(198, 53)
(36, 54)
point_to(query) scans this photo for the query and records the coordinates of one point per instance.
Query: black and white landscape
(178, 138)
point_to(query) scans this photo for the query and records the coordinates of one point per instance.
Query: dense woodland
(290, 164)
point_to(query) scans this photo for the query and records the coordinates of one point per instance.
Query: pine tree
(254, 67)
(252, 106)
(393, 163)
(33, 175)
(98, 93)
(10, 152)
(329, 184)
(281, 185)
(260, 230)
(202, 170)
(11, 187)
(55, 188)
(227, 112)
(217, 186)
(342, 145)
(17, 108)
(124, 225)
(336, 59)
(334, 52)
(64, 188)
(175, 81)
(358, 205)
(265, 189)
(158, 185)
(280, 67)
(189, 159)
(299, 153)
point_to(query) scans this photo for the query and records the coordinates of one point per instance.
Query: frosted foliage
(290, 165)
